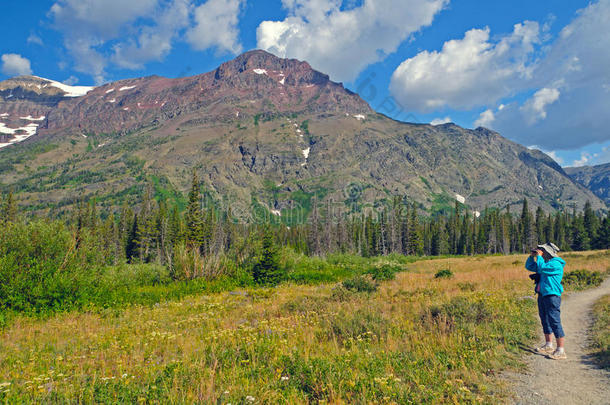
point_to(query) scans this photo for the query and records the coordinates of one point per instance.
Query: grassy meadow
(416, 338)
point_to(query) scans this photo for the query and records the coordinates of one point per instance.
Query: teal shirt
(551, 273)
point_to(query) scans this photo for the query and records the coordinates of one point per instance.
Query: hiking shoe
(557, 355)
(545, 349)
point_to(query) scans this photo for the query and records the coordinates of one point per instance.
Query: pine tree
(9, 209)
(590, 222)
(416, 246)
(580, 237)
(603, 235)
(505, 229)
(440, 240)
(454, 234)
(526, 228)
(560, 231)
(548, 229)
(124, 227)
(267, 269)
(146, 230)
(194, 217)
(369, 237)
(131, 247)
(540, 224)
(315, 245)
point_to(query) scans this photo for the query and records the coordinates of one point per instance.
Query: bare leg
(559, 341)
(547, 337)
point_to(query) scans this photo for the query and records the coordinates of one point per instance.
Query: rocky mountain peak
(264, 63)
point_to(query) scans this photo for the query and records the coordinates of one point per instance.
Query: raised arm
(531, 265)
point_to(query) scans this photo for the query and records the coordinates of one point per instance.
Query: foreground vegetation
(601, 332)
(410, 337)
(163, 306)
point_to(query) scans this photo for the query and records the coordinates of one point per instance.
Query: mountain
(266, 135)
(595, 178)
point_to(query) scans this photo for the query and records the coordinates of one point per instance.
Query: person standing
(548, 267)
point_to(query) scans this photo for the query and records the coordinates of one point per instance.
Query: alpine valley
(263, 133)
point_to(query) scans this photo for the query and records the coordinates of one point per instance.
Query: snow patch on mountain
(70, 91)
(30, 118)
(359, 117)
(109, 91)
(260, 71)
(460, 198)
(127, 88)
(24, 133)
(6, 130)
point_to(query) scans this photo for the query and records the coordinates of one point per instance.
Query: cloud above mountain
(131, 33)
(216, 25)
(342, 41)
(570, 106)
(555, 94)
(467, 72)
(14, 65)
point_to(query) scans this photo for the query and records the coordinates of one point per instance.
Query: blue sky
(537, 72)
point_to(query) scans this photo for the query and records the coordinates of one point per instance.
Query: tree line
(201, 240)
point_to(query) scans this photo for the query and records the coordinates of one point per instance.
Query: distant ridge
(595, 178)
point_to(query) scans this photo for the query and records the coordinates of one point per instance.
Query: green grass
(165, 191)
(442, 204)
(600, 332)
(340, 329)
(582, 279)
(288, 344)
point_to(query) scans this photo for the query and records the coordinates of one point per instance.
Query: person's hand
(539, 252)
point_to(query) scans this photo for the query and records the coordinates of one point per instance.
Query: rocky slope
(595, 178)
(265, 134)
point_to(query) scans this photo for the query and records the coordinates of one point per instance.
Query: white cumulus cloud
(216, 25)
(153, 42)
(554, 91)
(440, 121)
(534, 109)
(129, 34)
(467, 72)
(486, 118)
(14, 65)
(89, 24)
(553, 155)
(343, 41)
(570, 108)
(585, 158)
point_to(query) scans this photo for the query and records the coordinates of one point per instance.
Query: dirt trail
(575, 380)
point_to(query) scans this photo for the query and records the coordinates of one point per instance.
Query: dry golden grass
(290, 344)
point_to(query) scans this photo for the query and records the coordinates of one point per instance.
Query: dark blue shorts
(549, 311)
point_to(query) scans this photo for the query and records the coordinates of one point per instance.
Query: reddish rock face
(256, 82)
(254, 121)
